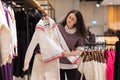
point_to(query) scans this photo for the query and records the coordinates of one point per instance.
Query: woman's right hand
(66, 53)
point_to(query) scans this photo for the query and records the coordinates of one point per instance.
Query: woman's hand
(66, 53)
(72, 53)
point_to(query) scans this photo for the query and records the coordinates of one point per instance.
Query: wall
(62, 7)
(114, 17)
(91, 12)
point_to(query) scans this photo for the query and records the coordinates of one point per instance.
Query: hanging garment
(81, 68)
(91, 67)
(21, 26)
(7, 71)
(45, 71)
(1, 76)
(5, 37)
(117, 62)
(12, 24)
(50, 51)
(25, 25)
(5, 45)
(46, 39)
(110, 57)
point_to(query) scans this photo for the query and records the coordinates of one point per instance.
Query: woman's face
(71, 20)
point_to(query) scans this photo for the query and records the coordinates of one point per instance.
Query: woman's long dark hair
(80, 22)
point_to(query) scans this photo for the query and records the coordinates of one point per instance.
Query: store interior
(101, 18)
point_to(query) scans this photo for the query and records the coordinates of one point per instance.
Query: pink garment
(110, 58)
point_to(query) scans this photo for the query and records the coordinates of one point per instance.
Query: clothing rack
(93, 45)
(35, 4)
(26, 4)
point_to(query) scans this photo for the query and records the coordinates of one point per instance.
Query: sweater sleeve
(30, 49)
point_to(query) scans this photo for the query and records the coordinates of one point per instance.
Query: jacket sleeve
(30, 49)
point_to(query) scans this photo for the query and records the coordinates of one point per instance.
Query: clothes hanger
(46, 20)
(85, 56)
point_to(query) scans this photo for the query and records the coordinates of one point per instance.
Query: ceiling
(106, 2)
(88, 0)
(97, 1)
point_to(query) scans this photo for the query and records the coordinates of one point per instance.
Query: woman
(73, 31)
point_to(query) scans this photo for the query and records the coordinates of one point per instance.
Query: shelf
(35, 3)
(42, 5)
(25, 4)
(47, 7)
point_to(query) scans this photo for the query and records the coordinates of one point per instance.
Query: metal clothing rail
(94, 44)
(97, 46)
(35, 4)
(24, 3)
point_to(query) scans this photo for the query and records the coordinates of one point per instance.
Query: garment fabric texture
(1, 75)
(70, 74)
(42, 36)
(7, 71)
(6, 41)
(45, 71)
(92, 68)
(12, 25)
(25, 25)
(5, 37)
(65, 45)
(117, 61)
(110, 58)
(72, 40)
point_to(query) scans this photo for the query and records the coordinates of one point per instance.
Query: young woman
(73, 31)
